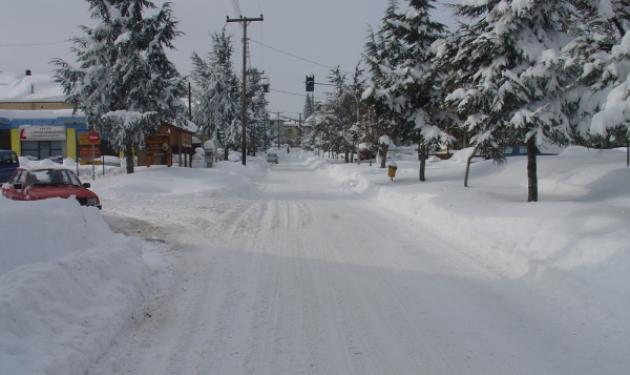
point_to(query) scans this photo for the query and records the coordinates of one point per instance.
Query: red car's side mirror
(86, 185)
(17, 186)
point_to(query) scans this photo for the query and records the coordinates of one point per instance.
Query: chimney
(28, 73)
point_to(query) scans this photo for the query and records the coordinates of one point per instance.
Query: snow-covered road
(301, 276)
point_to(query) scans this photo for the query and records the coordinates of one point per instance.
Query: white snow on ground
(581, 220)
(319, 268)
(68, 285)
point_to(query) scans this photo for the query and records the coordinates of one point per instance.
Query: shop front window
(42, 149)
(5, 139)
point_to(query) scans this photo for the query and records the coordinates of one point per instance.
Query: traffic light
(265, 84)
(310, 83)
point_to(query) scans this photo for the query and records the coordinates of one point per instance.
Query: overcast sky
(331, 32)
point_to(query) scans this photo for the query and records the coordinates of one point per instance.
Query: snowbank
(68, 286)
(574, 242)
(112, 166)
(461, 156)
(47, 231)
(161, 181)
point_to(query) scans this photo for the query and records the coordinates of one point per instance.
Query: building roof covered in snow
(24, 88)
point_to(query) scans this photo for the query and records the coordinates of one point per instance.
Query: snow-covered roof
(314, 118)
(190, 126)
(38, 114)
(35, 88)
(289, 123)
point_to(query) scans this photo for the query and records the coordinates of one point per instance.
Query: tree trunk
(347, 157)
(468, 161)
(383, 157)
(226, 153)
(129, 157)
(532, 173)
(423, 161)
(620, 28)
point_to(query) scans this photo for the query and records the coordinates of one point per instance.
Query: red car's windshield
(52, 177)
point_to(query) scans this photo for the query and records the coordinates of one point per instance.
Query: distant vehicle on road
(272, 157)
(44, 183)
(9, 163)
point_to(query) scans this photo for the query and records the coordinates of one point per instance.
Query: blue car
(8, 164)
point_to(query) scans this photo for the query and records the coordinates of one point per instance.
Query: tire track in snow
(305, 278)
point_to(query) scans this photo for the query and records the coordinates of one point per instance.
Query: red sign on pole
(85, 152)
(93, 137)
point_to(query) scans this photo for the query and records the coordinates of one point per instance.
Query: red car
(36, 184)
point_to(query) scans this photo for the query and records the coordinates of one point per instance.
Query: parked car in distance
(44, 183)
(272, 157)
(9, 163)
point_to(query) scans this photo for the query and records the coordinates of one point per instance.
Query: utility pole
(189, 101)
(245, 22)
(300, 130)
(278, 125)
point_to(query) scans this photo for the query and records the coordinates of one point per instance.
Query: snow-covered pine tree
(382, 56)
(597, 25)
(216, 92)
(341, 106)
(201, 77)
(511, 80)
(613, 119)
(358, 130)
(465, 96)
(598, 61)
(412, 86)
(124, 81)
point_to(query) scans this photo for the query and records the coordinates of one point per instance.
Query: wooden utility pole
(300, 130)
(245, 22)
(278, 125)
(190, 101)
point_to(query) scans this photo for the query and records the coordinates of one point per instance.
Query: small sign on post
(93, 138)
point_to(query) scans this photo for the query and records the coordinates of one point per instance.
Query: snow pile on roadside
(576, 238)
(47, 230)
(112, 166)
(161, 181)
(68, 286)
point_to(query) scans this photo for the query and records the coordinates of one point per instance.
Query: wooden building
(167, 145)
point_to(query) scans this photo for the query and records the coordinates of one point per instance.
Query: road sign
(85, 152)
(93, 138)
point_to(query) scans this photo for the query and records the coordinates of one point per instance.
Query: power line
(223, 6)
(262, 33)
(293, 93)
(26, 45)
(292, 55)
(237, 8)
